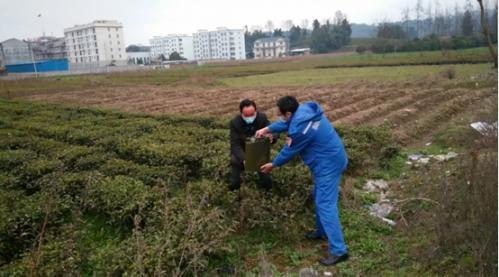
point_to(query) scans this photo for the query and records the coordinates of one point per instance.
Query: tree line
(322, 38)
(430, 18)
(457, 31)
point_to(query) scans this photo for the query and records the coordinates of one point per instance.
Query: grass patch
(332, 76)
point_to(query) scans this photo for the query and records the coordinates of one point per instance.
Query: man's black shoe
(313, 236)
(332, 260)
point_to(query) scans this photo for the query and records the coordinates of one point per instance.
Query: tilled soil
(412, 109)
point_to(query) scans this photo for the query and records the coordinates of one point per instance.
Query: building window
(109, 35)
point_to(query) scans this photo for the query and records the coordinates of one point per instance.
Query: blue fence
(41, 66)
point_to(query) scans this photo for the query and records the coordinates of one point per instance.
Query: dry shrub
(449, 73)
(467, 217)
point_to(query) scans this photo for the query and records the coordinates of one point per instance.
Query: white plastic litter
(418, 159)
(485, 128)
(375, 185)
(424, 161)
(446, 157)
(415, 157)
(308, 272)
(381, 210)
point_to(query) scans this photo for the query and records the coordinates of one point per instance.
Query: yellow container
(257, 154)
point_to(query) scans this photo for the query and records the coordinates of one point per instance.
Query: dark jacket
(240, 130)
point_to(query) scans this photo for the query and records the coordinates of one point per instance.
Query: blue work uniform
(312, 136)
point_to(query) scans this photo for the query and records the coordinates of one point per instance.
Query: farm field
(105, 175)
(423, 98)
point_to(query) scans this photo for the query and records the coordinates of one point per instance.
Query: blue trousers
(327, 219)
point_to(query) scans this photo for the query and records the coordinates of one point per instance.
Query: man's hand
(270, 137)
(262, 132)
(266, 168)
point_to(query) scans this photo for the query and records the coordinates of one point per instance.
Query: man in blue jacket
(312, 136)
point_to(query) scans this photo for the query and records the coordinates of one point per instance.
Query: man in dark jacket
(243, 126)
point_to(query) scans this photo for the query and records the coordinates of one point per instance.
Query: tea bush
(159, 184)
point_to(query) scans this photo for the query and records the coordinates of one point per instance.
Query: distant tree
(277, 33)
(316, 25)
(269, 26)
(304, 24)
(429, 19)
(457, 30)
(390, 31)
(405, 18)
(329, 37)
(162, 57)
(319, 38)
(485, 31)
(287, 25)
(175, 56)
(346, 31)
(295, 36)
(133, 48)
(493, 26)
(419, 14)
(439, 20)
(467, 22)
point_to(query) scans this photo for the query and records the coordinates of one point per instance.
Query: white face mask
(281, 118)
(249, 120)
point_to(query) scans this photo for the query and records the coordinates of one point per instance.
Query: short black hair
(246, 103)
(287, 104)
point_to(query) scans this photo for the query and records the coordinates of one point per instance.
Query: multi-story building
(271, 47)
(15, 51)
(222, 44)
(48, 48)
(138, 54)
(99, 43)
(165, 45)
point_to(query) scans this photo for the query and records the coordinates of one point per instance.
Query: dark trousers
(264, 180)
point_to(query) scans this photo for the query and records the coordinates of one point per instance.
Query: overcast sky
(147, 18)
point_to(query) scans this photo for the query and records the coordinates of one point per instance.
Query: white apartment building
(222, 44)
(166, 45)
(98, 43)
